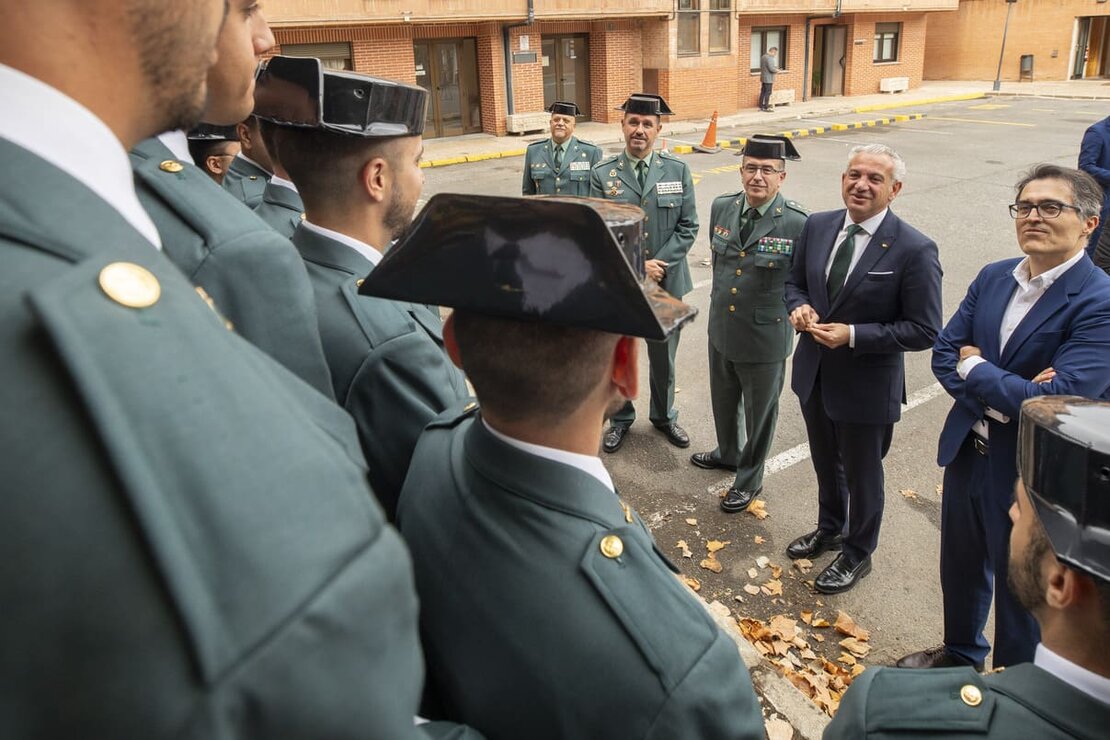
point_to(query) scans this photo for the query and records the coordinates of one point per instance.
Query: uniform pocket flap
(769, 314)
(772, 261)
(669, 201)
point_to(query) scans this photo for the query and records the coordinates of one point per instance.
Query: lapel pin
(885, 245)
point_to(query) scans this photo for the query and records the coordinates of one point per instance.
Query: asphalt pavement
(963, 158)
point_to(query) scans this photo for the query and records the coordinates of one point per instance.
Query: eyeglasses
(765, 170)
(1048, 209)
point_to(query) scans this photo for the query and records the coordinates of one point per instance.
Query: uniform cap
(564, 109)
(1064, 462)
(766, 146)
(211, 132)
(646, 104)
(299, 92)
(570, 261)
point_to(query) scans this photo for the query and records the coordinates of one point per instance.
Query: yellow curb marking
(983, 120)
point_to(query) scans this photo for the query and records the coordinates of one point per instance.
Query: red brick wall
(791, 60)
(862, 73)
(616, 67)
(527, 77)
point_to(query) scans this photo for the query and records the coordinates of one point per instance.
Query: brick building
(1063, 40)
(492, 65)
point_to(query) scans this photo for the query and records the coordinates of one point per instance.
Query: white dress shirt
(58, 129)
(589, 464)
(861, 240)
(281, 182)
(178, 143)
(1029, 290)
(1078, 677)
(361, 247)
(248, 160)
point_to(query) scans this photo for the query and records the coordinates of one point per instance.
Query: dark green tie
(746, 228)
(838, 273)
(558, 157)
(641, 173)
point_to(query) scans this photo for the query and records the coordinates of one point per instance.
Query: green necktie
(838, 273)
(641, 173)
(558, 157)
(750, 217)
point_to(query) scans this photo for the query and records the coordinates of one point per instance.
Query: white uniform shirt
(589, 464)
(361, 247)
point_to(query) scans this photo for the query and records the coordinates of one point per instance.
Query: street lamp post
(1005, 28)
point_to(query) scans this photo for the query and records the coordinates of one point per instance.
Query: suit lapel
(765, 224)
(654, 173)
(991, 306)
(881, 242)
(1053, 300)
(816, 268)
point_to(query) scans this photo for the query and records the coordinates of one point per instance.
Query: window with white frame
(887, 38)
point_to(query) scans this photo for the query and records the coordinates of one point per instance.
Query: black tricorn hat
(212, 132)
(1064, 462)
(564, 108)
(646, 104)
(300, 92)
(556, 260)
(767, 146)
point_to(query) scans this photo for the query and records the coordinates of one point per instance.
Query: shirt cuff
(851, 336)
(966, 365)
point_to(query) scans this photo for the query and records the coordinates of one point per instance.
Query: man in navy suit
(1094, 159)
(864, 289)
(1027, 327)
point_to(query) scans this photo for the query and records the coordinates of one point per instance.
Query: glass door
(448, 70)
(566, 71)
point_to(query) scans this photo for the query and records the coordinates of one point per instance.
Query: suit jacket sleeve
(797, 288)
(1080, 364)
(1102, 251)
(595, 157)
(686, 230)
(596, 190)
(946, 352)
(921, 317)
(1091, 154)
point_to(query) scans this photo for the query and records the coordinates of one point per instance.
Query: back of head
(325, 166)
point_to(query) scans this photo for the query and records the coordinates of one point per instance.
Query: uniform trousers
(661, 356)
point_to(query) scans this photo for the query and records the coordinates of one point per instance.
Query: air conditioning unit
(894, 84)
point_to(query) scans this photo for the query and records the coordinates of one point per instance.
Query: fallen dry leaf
(845, 625)
(783, 626)
(758, 509)
(820, 622)
(772, 587)
(763, 561)
(819, 638)
(847, 659)
(778, 729)
(758, 540)
(714, 545)
(753, 573)
(940, 489)
(682, 545)
(803, 565)
(692, 522)
(908, 493)
(855, 647)
(713, 564)
(808, 654)
(776, 571)
(858, 669)
(692, 582)
(807, 617)
(753, 590)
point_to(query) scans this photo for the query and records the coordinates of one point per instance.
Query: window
(886, 41)
(765, 39)
(689, 26)
(720, 26)
(331, 56)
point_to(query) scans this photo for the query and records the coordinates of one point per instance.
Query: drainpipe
(505, 29)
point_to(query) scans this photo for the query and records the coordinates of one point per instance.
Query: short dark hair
(324, 164)
(1084, 188)
(202, 149)
(531, 371)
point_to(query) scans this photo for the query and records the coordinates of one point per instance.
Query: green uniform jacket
(671, 222)
(246, 182)
(748, 321)
(1020, 702)
(388, 365)
(256, 279)
(188, 547)
(573, 178)
(529, 630)
(281, 208)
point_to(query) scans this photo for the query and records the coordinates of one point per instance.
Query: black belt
(982, 446)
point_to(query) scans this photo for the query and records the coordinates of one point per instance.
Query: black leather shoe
(614, 437)
(707, 461)
(813, 544)
(936, 657)
(675, 434)
(736, 500)
(842, 574)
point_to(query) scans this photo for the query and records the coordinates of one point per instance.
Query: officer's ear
(450, 343)
(624, 373)
(373, 176)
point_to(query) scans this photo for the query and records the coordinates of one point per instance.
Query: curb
(465, 159)
(799, 133)
(923, 101)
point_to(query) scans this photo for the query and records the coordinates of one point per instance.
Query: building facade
(492, 66)
(1045, 40)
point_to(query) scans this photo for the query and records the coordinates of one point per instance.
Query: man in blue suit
(1027, 327)
(1094, 159)
(864, 288)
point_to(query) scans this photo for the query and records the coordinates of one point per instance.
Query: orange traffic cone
(709, 143)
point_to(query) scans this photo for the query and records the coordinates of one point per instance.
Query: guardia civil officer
(546, 609)
(560, 165)
(358, 169)
(1060, 571)
(212, 148)
(253, 276)
(251, 169)
(188, 548)
(282, 206)
(662, 186)
(750, 337)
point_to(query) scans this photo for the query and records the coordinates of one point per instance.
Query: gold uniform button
(303, 217)
(770, 264)
(470, 407)
(733, 291)
(130, 285)
(171, 166)
(743, 254)
(359, 282)
(971, 695)
(732, 309)
(612, 546)
(739, 273)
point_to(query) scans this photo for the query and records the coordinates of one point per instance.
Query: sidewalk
(479, 147)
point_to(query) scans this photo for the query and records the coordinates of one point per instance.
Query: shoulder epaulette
(796, 206)
(607, 161)
(455, 415)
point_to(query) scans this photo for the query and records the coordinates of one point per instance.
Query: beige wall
(294, 12)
